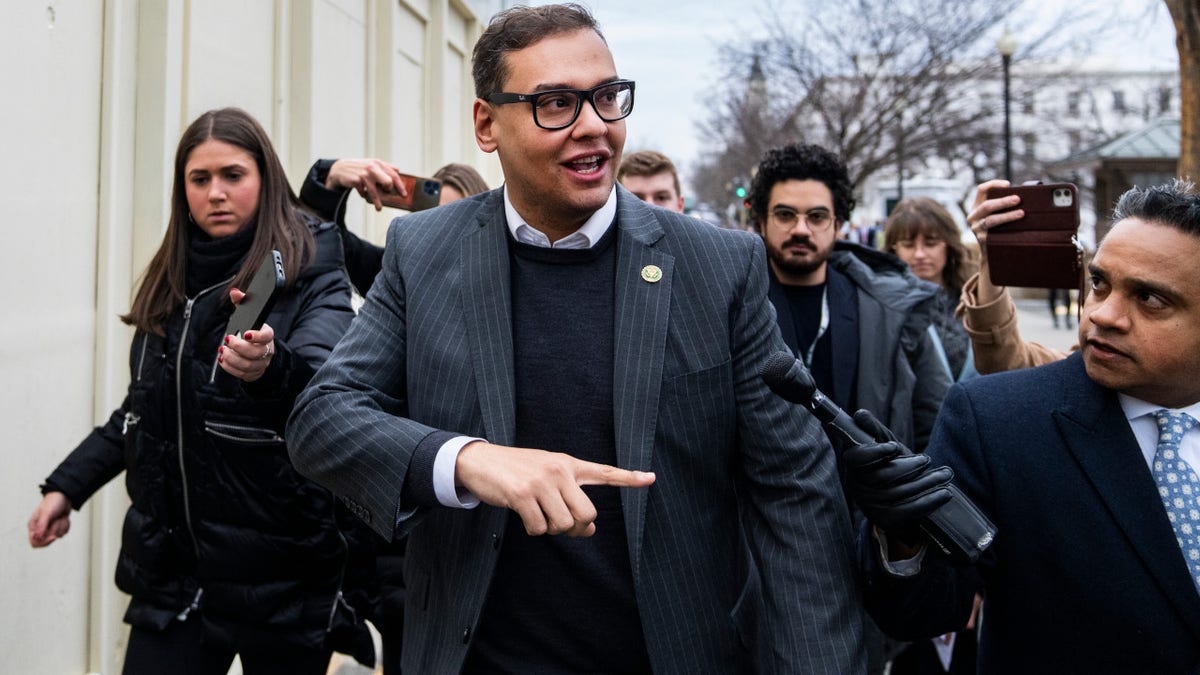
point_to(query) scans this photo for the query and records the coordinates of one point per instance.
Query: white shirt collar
(1136, 407)
(585, 237)
(1140, 416)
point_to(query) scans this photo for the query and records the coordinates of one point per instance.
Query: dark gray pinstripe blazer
(431, 351)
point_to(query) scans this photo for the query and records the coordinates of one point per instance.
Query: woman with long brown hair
(924, 235)
(225, 548)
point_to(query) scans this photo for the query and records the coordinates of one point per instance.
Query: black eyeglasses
(559, 108)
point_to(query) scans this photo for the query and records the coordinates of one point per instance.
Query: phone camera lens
(1062, 198)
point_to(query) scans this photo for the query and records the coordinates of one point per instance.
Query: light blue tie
(1179, 486)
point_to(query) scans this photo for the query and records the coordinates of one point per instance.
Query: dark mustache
(799, 241)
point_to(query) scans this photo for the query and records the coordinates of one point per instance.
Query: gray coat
(900, 376)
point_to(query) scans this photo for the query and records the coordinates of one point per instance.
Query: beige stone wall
(96, 93)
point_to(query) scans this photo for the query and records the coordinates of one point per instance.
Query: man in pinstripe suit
(552, 391)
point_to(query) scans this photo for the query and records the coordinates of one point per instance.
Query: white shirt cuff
(448, 494)
(898, 568)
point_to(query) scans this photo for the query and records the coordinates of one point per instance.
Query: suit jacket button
(466, 635)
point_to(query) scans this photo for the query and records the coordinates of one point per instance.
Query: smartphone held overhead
(1041, 249)
(252, 311)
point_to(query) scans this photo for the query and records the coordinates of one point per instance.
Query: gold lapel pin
(651, 274)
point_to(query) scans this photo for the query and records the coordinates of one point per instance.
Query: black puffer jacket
(219, 518)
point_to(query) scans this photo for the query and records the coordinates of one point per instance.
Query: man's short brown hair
(515, 29)
(648, 163)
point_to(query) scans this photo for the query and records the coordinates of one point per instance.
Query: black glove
(895, 488)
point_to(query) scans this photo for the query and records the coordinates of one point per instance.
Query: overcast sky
(669, 49)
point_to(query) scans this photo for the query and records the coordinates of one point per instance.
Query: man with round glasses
(552, 389)
(857, 316)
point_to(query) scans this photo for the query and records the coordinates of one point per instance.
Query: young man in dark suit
(583, 365)
(1087, 466)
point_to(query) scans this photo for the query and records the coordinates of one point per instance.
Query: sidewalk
(1033, 320)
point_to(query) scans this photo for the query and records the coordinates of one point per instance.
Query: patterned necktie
(1179, 486)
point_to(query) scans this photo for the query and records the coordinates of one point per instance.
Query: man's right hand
(544, 488)
(895, 488)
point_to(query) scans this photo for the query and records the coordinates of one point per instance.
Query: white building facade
(97, 93)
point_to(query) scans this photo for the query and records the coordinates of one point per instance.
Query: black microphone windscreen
(775, 369)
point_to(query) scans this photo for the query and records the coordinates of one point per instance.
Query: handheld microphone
(958, 528)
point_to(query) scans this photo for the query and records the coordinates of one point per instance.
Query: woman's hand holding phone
(986, 214)
(247, 357)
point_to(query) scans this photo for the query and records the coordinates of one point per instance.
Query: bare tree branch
(888, 84)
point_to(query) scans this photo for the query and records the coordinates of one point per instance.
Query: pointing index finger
(590, 473)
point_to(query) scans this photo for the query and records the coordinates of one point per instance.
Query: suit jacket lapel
(1098, 436)
(487, 307)
(641, 321)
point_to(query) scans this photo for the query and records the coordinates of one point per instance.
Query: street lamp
(1007, 45)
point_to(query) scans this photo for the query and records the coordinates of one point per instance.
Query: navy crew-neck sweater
(557, 603)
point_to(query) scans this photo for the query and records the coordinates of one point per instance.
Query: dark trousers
(185, 648)
(392, 638)
(389, 613)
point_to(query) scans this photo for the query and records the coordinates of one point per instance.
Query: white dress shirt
(449, 494)
(1141, 421)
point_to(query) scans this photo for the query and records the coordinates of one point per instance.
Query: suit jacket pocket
(697, 412)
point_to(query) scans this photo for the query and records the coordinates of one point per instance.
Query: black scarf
(210, 261)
